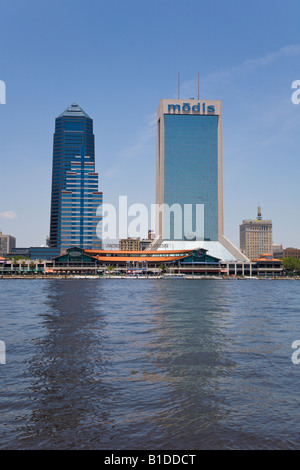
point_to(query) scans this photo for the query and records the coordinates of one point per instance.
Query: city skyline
(122, 91)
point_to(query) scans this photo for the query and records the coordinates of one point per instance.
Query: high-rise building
(73, 214)
(256, 237)
(189, 178)
(81, 203)
(7, 243)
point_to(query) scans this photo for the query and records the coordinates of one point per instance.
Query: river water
(149, 364)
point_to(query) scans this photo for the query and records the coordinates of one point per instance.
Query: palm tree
(110, 268)
(163, 268)
(32, 266)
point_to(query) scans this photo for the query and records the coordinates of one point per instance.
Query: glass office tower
(73, 138)
(189, 170)
(81, 206)
(189, 178)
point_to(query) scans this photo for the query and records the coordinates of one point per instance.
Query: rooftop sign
(199, 108)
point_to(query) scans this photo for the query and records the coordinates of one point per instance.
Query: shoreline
(161, 278)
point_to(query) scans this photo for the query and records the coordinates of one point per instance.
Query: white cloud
(188, 87)
(8, 215)
(147, 133)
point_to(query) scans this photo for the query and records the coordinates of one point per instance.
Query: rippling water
(149, 364)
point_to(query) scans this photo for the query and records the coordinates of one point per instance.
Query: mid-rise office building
(7, 243)
(189, 178)
(256, 237)
(74, 183)
(129, 244)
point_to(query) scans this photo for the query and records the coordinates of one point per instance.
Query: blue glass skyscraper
(73, 138)
(189, 178)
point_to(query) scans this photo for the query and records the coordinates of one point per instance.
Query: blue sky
(117, 59)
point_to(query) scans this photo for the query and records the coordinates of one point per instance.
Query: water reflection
(66, 372)
(137, 364)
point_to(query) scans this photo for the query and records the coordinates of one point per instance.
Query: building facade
(189, 177)
(129, 244)
(35, 252)
(73, 140)
(291, 253)
(81, 203)
(7, 243)
(194, 262)
(256, 237)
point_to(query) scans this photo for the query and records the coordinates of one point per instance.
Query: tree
(163, 268)
(32, 266)
(291, 265)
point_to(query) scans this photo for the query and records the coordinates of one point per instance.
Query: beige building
(129, 244)
(7, 242)
(256, 237)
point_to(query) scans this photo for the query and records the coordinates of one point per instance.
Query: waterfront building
(189, 178)
(193, 262)
(73, 145)
(267, 265)
(256, 236)
(291, 253)
(7, 243)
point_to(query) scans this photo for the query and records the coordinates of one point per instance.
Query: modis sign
(187, 108)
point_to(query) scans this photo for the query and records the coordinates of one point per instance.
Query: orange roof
(137, 253)
(159, 259)
(267, 257)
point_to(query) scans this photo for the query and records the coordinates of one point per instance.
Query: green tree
(163, 268)
(291, 265)
(32, 266)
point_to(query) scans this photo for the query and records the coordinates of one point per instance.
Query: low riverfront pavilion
(80, 261)
(195, 262)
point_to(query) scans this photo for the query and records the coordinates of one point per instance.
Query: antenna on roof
(179, 85)
(259, 217)
(198, 86)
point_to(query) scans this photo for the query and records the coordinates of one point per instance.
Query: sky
(117, 59)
